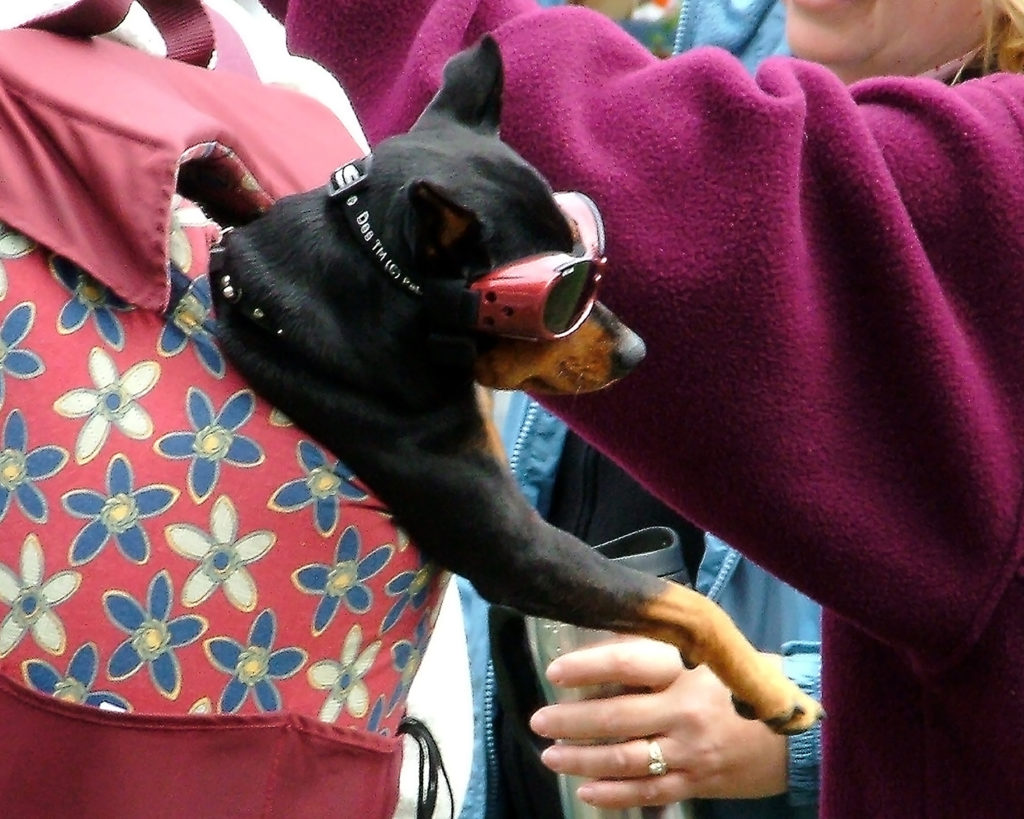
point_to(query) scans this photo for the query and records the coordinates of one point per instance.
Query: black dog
(349, 325)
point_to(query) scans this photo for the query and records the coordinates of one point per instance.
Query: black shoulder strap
(431, 765)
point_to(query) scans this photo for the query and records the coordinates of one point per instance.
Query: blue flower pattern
(325, 484)
(76, 684)
(191, 324)
(254, 667)
(410, 590)
(89, 299)
(344, 582)
(196, 607)
(15, 361)
(116, 514)
(213, 440)
(406, 656)
(21, 467)
(153, 635)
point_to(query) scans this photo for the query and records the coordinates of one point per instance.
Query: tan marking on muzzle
(589, 359)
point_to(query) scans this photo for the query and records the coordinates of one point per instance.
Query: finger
(636, 663)
(627, 793)
(628, 715)
(620, 760)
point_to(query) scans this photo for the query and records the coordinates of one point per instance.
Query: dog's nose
(629, 352)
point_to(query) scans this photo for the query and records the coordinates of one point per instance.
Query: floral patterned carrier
(173, 544)
(202, 612)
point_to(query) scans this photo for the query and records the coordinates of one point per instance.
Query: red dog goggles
(547, 296)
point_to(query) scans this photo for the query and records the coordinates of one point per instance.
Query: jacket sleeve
(827, 279)
(801, 662)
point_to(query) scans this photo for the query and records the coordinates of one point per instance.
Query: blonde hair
(1003, 48)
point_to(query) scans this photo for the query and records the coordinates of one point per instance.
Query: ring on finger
(656, 765)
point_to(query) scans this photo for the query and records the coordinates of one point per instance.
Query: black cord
(430, 766)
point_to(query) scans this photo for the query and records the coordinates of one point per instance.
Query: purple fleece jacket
(830, 282)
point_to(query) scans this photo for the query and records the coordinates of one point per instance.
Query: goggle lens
(547, 296)
(571, 297)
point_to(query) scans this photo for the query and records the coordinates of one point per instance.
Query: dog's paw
(800, 715)
(774, 699)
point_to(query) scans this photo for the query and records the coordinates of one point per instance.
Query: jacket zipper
(490, 751)
(491, 809)
(681, 25)
(524, 430)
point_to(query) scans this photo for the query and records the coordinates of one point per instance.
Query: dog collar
(344, 186)
(231, 291)
(444, 300)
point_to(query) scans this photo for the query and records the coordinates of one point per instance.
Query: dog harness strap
(350, 177)
(233, 292)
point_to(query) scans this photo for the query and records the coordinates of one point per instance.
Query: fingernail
(539, 722)
(586, 793)
(555, 671)
(553, 757)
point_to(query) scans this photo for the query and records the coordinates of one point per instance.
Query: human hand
(710, 750)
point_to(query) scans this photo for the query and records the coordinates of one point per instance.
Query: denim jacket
(774, 617)
(750, 29)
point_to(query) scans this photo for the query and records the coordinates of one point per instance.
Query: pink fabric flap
(72, 760)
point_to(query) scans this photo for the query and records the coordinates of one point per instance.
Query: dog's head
(367, 281)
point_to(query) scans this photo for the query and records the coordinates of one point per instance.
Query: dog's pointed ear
(445, 237)
(471, 88)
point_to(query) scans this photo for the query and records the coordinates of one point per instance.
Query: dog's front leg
(700, 629)
(458, 501)
(585, 589)
(513, 557)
